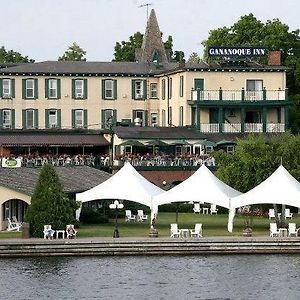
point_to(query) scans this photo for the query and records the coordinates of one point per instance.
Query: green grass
(215, 225)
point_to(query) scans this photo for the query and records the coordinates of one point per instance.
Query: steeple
(153, 49)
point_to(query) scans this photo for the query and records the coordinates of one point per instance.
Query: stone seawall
(157, 246)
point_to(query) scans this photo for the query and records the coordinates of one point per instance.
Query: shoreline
(148, 246)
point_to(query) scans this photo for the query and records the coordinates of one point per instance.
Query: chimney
(274, 58)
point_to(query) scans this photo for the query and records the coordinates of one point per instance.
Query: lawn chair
(71, 232)
(288, 214)
(140, 216)
(48, 232)
(128, 216)
(293, 231)
(13, 226)
(174, 231)
(213, 209)
(271, 213)
(197, 208)
(197, 232)
(273, 230)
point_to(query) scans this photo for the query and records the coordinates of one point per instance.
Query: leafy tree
(74, 53)
(10, 56)
(256, 158)
(194, 58)
(49, 204)
(273, 35)
(125, 50)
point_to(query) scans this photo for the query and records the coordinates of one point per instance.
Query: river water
(152, 277)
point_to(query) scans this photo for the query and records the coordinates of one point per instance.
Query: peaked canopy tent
(203, 186)
(279, 188)
(126, 184)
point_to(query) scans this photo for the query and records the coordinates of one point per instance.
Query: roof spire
(153, 49)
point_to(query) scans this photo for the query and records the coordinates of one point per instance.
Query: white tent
(279, 188)
(126, 184)
(203, 186)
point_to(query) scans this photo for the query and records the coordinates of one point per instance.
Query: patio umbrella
(132, 143)
(180, 142)
(154, 143)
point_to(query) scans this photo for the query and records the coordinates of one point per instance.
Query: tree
(125, 50)
(194, 58)
(49, 204)
(10, 56)
(256, 158)
(74, 53)
(273, 35)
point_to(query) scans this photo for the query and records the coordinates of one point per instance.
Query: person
(49, 232)
(71, 232)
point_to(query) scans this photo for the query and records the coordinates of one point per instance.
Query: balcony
(237, 127)
(238, 95)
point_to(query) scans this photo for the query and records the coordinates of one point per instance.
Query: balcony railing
(229, 127)
(238, 95)
(237, 127)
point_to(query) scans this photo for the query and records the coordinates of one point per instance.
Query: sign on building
(237, 51)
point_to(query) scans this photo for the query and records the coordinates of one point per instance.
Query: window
(153, 90)
(163, 89)
(254, 85)
(52, 88)
(138, 89)
(139, 114)
(79, 118)
(6, 118)
(181, 116)
(170, 117)
(170, 88)
(6, 88)
(79, 92)
(108, 118)
(109, 89)
(163, 118)
(181, 87)
(29, 88)
(53, 118)
(30, 119)
(154, 119)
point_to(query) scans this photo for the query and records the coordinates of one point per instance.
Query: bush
(91, 215)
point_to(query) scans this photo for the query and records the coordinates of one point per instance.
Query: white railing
(205, 95)
(253, 95)
(212, 128)
(253, 127)
(229, 127)
(275, 127)
(231, 95)
(275, 95)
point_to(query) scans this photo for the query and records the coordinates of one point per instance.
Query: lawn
(213, 225)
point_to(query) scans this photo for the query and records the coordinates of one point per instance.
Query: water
(163, 277)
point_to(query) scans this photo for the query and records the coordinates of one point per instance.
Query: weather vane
(147, 5)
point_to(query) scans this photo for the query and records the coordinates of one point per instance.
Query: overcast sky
(44, 29)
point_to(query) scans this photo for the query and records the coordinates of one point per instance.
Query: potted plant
(248, 228)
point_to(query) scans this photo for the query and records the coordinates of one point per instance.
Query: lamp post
(116, 205)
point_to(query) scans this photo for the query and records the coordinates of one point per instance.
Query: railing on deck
(238, 95)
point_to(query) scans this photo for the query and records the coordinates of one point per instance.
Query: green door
(199, 84)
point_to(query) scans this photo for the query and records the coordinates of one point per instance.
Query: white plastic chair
(288, 214)
(293, 231)
(48, 232)
(197, 208)
(140, 216)
(13, 226)
(271, 213)
(197, 232)
(128, 216)
(71, 232)
(273, 230)
(174, 231)
(213, 209)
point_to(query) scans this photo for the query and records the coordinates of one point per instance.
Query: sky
(44, 29)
